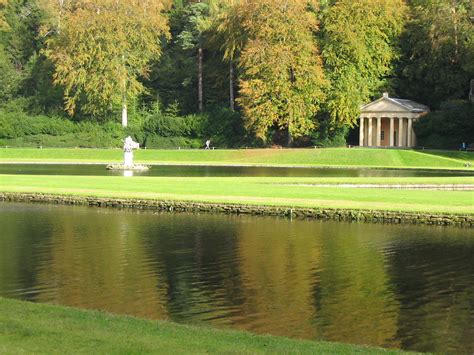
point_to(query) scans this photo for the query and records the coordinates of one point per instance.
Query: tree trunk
(455, 27)
(231, 85)
(200, 55)
(124, 97)
(124, 114)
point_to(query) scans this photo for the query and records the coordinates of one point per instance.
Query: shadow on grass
(450, 154)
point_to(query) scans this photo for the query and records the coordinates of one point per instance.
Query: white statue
(128, 147)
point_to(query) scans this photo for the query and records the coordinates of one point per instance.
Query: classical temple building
(388, 122)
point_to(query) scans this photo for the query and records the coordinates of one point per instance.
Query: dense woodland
(244, 73)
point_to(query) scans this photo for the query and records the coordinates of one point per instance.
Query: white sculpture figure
(128, 147)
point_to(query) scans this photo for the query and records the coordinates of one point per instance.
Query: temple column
(361, 132)
(392, 143)
(379, 130)
(409, 131)
(400, 132)
(370, 141)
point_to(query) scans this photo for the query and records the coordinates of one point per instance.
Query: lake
(243, 171)
(397, 286)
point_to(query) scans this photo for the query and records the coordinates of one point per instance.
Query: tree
(9, 78)
(282, 77)
(191, 38)
(359, 41)
(232, 36)
(199, 19)
(3, 22)
(438, 50)
(19, 48)
(101, 48)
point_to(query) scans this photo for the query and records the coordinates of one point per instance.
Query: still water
(202, 171)
(409, 287)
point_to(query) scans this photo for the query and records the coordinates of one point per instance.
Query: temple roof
(386, 103)
(411, 105)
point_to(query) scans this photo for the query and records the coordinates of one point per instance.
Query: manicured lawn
(39, 328)
(293, 192)
(281, 157)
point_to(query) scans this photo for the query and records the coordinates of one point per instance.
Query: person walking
(208, 144)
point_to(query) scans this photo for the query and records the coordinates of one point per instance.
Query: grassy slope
(33, 328)
(255, 190)
(289, 157)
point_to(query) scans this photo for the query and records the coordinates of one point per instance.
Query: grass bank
(354, 157)
(39, 328)
(292, 192)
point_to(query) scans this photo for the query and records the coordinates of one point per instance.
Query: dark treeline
(240, 72)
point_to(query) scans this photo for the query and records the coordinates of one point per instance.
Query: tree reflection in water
(387, 285)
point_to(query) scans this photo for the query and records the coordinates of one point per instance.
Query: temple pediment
(388, 104)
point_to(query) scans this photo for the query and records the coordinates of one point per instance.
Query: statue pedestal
(128, 159)
(128, 165)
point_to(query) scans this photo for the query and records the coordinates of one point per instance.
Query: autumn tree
(3, 22)
(359, 45)
(101, 48)
(282, 77)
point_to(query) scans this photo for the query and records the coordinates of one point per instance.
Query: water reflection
(395, 286)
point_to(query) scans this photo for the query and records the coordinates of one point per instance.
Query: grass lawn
(40, 328)
(293, 192)
(356, 157)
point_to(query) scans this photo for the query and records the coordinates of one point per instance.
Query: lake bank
(372, 216)
(30, 328)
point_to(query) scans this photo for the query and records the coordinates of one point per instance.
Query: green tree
(282, 77)
(438, 51)
(9, 77)
(359, 41)
(101, 48)
(6, 68)
(230, 33)
(192, 38)
(198, 20)
(20, 45)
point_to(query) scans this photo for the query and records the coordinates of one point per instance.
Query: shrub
(328, 135)
(157, 142)
(19, 129)
(448, 127)
(18, 124)
(224, 127)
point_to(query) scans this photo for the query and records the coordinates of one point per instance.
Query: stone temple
(388, 122)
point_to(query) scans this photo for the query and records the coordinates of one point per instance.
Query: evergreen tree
(231, 36)
(438, 51)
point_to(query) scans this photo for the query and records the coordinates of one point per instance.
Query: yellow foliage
(282, 83)
(3, 24)
(101, 47)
